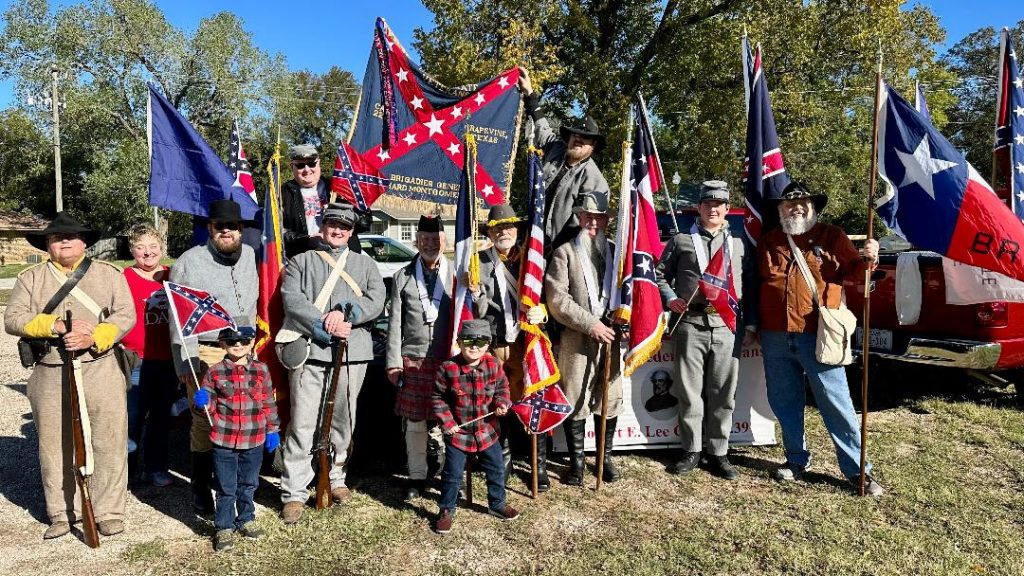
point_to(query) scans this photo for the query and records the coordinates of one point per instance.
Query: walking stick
(604, 415)
(867, 282)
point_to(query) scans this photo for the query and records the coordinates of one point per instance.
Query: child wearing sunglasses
(238, 395)
(470, 393)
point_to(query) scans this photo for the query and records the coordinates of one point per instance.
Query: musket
(92, 536)
(324, 448)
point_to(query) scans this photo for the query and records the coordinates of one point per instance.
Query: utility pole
(55, 104)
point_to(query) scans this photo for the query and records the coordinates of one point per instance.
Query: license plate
(878, 339)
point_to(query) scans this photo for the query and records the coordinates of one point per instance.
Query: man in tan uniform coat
(92, 338)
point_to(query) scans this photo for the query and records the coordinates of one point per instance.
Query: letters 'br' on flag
(195, 311)
(239, 165)
(1009, 141)
(356, 180)
(935, 199)
(764, 172)
(411, 128)
(539, 367)
(717, 286)
(637, 251)
(185, 174)
(543, 410)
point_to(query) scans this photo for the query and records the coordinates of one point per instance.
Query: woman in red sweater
(154, 386)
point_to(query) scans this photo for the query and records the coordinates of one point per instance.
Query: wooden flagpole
(867, 278)
(534, 490)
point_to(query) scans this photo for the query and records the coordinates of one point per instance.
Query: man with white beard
(418, 342)
(786, 317)
(577, 285)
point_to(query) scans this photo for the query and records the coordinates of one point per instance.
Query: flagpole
(999, 105)
(867, 278)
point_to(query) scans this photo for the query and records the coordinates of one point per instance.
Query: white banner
(966, 284)
(651, 417)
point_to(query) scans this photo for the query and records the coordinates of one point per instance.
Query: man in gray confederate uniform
(706, 349)
(577, 286)
(102, 313)
(316, 288)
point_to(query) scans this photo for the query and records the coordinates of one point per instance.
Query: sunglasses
(308, 164)
(477, 342)
(226, 225)
(237, 341)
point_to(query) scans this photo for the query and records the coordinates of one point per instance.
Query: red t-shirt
(151, 336)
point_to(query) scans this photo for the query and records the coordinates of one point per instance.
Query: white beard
(504, 246)
(797, 225)
(597, 247)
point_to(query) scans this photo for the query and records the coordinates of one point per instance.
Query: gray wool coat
(489, 303)
(408, 333)
(580, 179)
(678, 273)
(304, 277)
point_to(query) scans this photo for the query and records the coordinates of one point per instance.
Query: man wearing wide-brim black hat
(569, 167)
(102, 313)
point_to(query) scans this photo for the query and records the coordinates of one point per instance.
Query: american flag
(356, 180)
(239, 165)
(539, 367)
(717, 285)
(195, 312)
(543, 410)
(635, 297)
(766, 176)
(466, 259)
(1009, 141)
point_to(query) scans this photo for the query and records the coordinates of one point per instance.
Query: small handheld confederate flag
(717, 286)
(542, 411)
(195, 312)
(356, 180)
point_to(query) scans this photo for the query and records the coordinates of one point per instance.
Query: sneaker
(443, 524)
(506, 514)
(161, 479)
(871, 486)
(251, 531)
(224, 540)
(721, 467)
(789, 472)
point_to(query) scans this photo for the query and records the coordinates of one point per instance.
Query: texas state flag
(936, 200)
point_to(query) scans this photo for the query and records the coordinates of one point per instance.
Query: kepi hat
(62, 224)
(302, 151)
(714, 190)
(340, 212)
(475, 329)
(239, 333)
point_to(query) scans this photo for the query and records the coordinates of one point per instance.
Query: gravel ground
(152, 514)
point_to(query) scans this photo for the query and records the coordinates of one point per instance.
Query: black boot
(575, 432)
(611, 474)
(543, 483)
(202, 473)
(414, 489)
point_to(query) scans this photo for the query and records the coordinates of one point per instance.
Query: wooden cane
(604, 415)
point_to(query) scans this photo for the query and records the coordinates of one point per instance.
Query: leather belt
(707, 309)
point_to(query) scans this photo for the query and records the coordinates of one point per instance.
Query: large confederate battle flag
(935, 199)
(411, 128)
(764, 173)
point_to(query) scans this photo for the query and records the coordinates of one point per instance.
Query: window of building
(408, 230)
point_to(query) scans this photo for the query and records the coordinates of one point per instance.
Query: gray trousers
(421, 436)
(307, 386)
(706, 370)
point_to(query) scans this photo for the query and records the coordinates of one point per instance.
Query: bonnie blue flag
(185, 173)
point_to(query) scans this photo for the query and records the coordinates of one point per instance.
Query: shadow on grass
(903, 385)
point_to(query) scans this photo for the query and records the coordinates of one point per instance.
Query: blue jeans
(154, 387)
(236, 475)
(454, 465)
(787, 357)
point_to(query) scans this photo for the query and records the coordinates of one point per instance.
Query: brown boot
(110, 527)
(56, 530)
(291, 512)
(341, 494)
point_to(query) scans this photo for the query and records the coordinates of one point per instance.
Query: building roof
(399, 213)
(18, 221)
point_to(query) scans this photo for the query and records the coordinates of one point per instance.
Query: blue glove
(273, 441)
(320, 333)
(201, 399)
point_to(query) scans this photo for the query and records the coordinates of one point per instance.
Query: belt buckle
(710, 310)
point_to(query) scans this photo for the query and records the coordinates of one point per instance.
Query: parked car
(687, 216)
(389, 253)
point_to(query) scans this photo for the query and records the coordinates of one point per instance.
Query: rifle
(92, 537)
(324, 448)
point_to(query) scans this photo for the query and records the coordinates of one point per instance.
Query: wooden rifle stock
(92, 536)
(324, 448)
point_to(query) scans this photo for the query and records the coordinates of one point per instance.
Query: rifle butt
(323, 483)
(92, 535)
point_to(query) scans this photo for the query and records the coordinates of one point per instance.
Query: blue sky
(317, 34)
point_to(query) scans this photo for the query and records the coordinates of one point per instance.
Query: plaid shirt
(241, 404)
(463, 392)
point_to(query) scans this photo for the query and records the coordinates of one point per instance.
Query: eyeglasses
(237, 341)
(226, 225)
(307, 164)
(477, 342)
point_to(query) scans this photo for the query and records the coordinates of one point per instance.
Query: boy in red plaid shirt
(237, 394)
(471, 391)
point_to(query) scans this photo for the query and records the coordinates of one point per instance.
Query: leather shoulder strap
(68, 286)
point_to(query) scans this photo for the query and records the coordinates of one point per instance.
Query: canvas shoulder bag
(835, 326)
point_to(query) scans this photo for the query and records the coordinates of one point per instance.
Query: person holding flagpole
(577, 286)
(418, 328)
(226, 269)
(706, 348)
